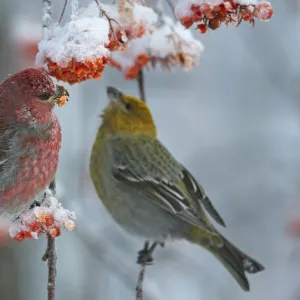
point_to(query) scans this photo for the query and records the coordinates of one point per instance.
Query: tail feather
(235, 261)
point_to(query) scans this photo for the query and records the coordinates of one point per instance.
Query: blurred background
(234, 121)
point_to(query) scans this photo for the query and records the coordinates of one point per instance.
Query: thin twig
(139, 285)
(171, 5)
(141, 85)
(50, 256)
(63, 11)
(110, 21)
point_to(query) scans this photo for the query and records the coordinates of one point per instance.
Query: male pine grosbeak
(30, 137)
(148, 192)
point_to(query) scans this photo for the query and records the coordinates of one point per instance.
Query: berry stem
(63, 11)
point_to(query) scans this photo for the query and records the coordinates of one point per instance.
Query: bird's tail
(234, 260)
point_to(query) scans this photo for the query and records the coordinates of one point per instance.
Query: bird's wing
(9, 97)
(149, 167)
(196, 190)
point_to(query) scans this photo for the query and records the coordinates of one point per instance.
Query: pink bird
(30, 137)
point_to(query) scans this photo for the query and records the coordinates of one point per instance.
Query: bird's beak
(114, 95)
(60, 97)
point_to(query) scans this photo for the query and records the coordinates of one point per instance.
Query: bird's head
(127, 115)
(33, 90)
(39, 87)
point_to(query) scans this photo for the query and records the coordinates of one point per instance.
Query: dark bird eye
(128, 106)
(45, 96)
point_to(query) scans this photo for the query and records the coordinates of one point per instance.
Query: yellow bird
(149, 193)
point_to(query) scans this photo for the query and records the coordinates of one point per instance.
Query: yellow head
(127, 115)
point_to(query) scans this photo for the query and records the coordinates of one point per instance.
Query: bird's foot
(145, 255)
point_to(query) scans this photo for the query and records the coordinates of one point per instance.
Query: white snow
(47, 13)
(81, 39)
(134, 48)
(50, 207)
(75, 9)
(170, 39)
(167, 40)
(246, 2)
(130, 15)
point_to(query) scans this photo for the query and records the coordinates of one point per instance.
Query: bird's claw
(145, 257)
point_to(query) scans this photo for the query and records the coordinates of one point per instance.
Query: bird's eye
(45, 96)
(128, 106)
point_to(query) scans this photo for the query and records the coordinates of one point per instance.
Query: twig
(141, 85)
(63, 11)
(50, 255)
(110, 21)
(144, 258)
(171, 5)
(139, 285)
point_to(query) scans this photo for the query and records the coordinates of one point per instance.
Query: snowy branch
(47, 13)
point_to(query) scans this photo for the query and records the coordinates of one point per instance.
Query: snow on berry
(133, 58)
(49, 217)
(77, 51)
(169, 44)
(212, 13)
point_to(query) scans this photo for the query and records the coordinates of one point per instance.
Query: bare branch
(110, 21)
(144, 258)
(141, 85)
(50, 256)
(139, 285)
(63, 11)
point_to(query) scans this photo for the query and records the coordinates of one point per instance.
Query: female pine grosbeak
(148, 192)
(30, 137)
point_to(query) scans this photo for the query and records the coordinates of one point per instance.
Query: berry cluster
(48, 218)
(77, 71)
(81, 49)
(212, 13)
(131, 71)
(77, 51)
(168, 45)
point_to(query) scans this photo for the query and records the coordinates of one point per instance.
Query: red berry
(34, 225)
(202, 28)
(19, 236)
(205, 8)
(27, 234)
(214, 24)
